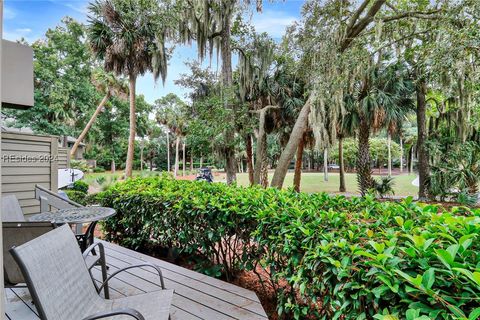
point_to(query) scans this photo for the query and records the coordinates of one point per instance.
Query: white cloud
(273, 22)
(8, 13)
(23, 30)
(78, 8)
(17, 34)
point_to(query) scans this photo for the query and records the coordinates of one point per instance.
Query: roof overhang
(17, 75)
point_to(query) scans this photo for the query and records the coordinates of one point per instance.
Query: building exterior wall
(17, 75)
(63, 158)
(28, 160)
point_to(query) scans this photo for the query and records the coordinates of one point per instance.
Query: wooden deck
(197, 296)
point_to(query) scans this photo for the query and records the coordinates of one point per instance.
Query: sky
(30, 19)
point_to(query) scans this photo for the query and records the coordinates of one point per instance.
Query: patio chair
(18, 233)
(11, 210)
(15, 234)
(61, 287)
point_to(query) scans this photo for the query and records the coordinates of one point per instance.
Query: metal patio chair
(11, 209)
(15, 234)
(62, 289)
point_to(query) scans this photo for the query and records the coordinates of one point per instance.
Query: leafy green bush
(80, 186)
(98, 169)
(77, 196)
(326, 257)
(80, 165)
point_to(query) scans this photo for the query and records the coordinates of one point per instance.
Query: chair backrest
(57, 276)
(11, 209)
(16, 234)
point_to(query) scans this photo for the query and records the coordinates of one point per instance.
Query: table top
(75, 215)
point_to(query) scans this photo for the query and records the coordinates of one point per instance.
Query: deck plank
(235, 305)
(186, 272)
(18, 304)
(196, 296)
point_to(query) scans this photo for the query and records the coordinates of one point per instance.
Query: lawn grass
(311, 181)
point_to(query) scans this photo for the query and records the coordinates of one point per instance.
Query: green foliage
(327, 257)
(458, 174)
(98, 169)
(378, 152)
(77, 196)
(384, 186)
(80, 186)
(64, 93)
(80, 165)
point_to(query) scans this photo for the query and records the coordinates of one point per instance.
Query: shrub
(80, 186)
(81, 165)
(384, 186)
(77, 196)
(327, 257)
(99, 169)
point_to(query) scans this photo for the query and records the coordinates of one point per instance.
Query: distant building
(68, 142)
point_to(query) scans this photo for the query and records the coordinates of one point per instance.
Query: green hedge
(328, 257)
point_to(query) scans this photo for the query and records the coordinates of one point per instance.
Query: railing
(51, 199)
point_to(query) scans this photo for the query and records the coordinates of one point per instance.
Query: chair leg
(104, 267)
(89, 235)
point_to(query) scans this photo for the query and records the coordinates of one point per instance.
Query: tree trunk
(191, 161)
(264, 171)
(423, 167)
(261, 144)
(325, 164)
(227, 80)
(201, 161)
(141, 156)
(410, 164)
(342, 166)
(364, 172)
(112, 166)
(295, 137)
(183, 160)
(298, 165)
(401, 154)
(131, 137)
(168, 151)
(89, 125)
(249, 150)
(151, 164)
(389, 149)
(177, 156)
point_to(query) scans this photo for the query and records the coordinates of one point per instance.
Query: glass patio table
(81, 215)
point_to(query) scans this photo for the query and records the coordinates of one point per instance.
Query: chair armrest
(97, 260)
(156, 268)
(116, 312)
(93, 246)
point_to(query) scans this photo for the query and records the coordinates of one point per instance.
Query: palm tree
(172, 113)
(347, 127)
(129, 37)
(108, 84)
(384, 97)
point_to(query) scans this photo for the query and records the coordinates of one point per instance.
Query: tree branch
(358, 27)
(244, 54)
(414, 14)
(215, 34)
(357, 14)
(265, 109)
(413, 34)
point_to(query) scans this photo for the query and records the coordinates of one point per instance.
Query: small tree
(108, 84)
